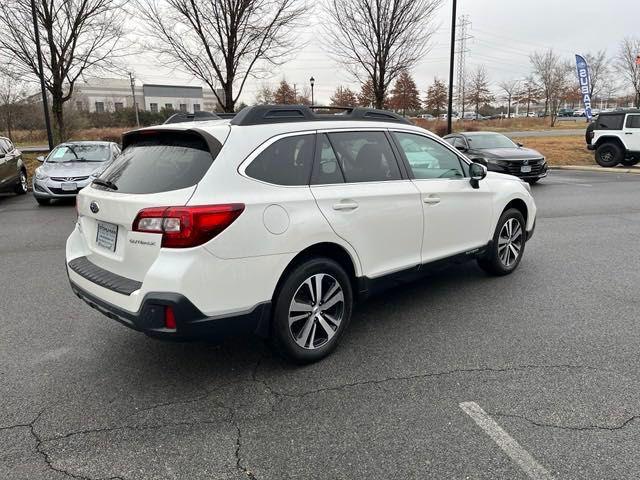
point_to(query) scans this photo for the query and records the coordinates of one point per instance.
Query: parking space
(549, 353)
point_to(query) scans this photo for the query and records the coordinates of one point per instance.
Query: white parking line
(512, 448)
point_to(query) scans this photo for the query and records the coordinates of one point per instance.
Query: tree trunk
(229, 104)
(58, 117)
(509, 107)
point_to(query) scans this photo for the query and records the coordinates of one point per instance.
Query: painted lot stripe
(519, 455)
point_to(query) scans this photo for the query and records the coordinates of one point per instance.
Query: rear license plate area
(107, 236)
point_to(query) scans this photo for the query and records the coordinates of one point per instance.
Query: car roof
(621, 112)
(86, 142)
(478, 134)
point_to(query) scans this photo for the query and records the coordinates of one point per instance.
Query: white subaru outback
(276, 221)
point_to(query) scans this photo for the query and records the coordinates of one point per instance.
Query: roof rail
(226, 115)
(265, 114)
(199, 116)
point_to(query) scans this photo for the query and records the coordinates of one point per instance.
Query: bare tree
(264, 95)
(378, 39)
(552, 74)
(437, 96)
(510, 89)
(222, 42)
(344, 97)
(12, 92)
(628, 64)
(598, 70)
(479, 91)
(405, 95)
(529, 93)
(76, 37)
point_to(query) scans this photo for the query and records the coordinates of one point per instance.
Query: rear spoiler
(165, 136)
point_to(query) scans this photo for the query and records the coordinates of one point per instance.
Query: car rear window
(154, 162)
(610, 122)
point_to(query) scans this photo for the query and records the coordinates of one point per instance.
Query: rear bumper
(191, 323)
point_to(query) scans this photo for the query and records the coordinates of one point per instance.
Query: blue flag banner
(585, 84)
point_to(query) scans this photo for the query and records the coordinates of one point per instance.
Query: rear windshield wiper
(105, 183)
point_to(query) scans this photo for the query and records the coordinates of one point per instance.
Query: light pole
(312, 81)
(453, 54)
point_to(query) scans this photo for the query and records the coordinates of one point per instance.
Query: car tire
(302, 330)
(630, 161)
(43, 201)
(508, 240)
(22, 185)
(609, 154)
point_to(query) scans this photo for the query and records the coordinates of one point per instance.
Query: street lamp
(312, 81)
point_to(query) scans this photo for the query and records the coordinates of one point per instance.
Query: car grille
(59, 191)
(537, 167)
(69, 179)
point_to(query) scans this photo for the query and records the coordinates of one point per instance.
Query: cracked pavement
(550, 353)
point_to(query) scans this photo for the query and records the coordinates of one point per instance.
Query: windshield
(79, 153)
(490, 141)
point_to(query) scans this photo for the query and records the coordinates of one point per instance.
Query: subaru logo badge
(524, 162)
(94, 207)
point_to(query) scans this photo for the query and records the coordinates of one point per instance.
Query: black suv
(13, 172)
(615, 137)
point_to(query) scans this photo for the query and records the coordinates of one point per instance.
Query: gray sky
(504, 33)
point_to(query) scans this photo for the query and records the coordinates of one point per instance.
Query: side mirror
(40, 158)
(477, 172)
(519, 144)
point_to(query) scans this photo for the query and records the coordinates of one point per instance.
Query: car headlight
(40, 175)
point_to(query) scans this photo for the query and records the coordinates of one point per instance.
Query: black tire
(43, 201)
(609, 154)
(21, 187)
(532, 181)
(282, 335)
(630, 161)
(492, 263)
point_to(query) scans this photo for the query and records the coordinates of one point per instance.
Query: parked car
(13, 172)
(565, 112)
(70, 167)
(443, 117)
(615, 138)
(500, 154)
(427, 116)
(532, 114)
(276, 221)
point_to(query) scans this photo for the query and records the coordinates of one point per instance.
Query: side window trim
(405, 160)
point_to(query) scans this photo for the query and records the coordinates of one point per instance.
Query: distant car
(615, 137)
(532, 115)
(500, 154)
(69, 167)
(427, 116)
(566, 112)
(13, 172)
(443, 117)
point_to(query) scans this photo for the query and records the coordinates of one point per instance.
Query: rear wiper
(105, 183)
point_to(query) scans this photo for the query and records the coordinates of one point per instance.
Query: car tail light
(184, 227)
(169, 318)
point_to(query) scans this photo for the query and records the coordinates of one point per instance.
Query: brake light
(169, 318)
(184, 227)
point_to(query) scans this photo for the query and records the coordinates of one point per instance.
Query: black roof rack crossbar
(199, 116)
(265, 114)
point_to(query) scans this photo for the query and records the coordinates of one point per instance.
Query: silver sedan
(69, 167)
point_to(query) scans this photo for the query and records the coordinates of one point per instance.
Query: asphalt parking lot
(550, 354)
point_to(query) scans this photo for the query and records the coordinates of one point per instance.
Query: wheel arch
(610, 139)
(519, 205)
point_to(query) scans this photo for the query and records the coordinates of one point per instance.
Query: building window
(196, 107)
(153, 107)
(79, 106)
(100, 107)
(183, 107)
(118, 106)
(168, 106)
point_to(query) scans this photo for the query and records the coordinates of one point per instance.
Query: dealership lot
(550, 353)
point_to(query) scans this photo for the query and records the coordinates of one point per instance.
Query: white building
(109, 94)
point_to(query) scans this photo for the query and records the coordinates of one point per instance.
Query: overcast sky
(504, 33)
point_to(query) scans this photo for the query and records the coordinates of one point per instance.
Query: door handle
(431, 200)
(345, 205)
(628, 133)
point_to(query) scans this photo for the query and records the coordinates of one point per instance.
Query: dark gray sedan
(69, 167)
(500, 154)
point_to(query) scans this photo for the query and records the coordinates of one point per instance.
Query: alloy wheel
(23, 182)
(510, 242)
(316, 311)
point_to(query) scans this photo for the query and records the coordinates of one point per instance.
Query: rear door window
(365, 156)
(159, 162)
(286, 161)
(326, 169)
(610, 122)
(633, 121)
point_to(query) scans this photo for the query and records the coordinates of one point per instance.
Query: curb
(585, 168)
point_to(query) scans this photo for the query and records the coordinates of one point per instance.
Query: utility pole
(463, 24)
(451, 62)
(133, 95)
(45, 101)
